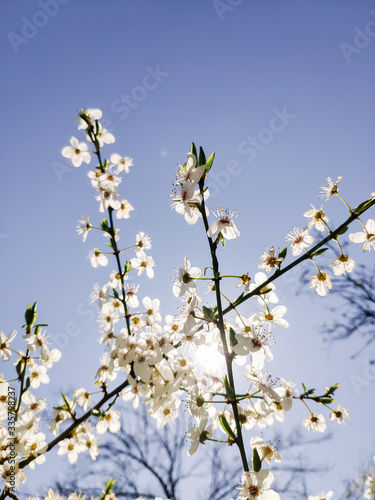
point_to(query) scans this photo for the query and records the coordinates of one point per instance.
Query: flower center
(343, 258)
(254, 491)
(225, 220)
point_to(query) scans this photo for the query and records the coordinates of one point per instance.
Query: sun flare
(210, 358)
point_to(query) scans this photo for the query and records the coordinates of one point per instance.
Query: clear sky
(282, 91)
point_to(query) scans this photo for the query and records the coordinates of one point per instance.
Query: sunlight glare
(210, 358)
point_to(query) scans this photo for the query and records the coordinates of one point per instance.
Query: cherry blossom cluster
(23, 440)
(54, 495)
(157, 362)
(142, 353)
(247, 339)
(300, 240)
(107, 494)
(369, 492)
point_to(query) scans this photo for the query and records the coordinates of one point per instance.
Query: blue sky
(221, 74)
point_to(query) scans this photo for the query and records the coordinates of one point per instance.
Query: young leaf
(208, 312)
(319, 252)
(229, 389)
(28, 383)
(257, 463)
(362, 207)
(31, 314)
(202, 157)
(226, 427)
(209, 162)
(66, 402)
(232, 337)
(343, 230)
(283, 252)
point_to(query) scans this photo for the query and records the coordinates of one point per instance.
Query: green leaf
(205, 269)
(326, 400)
(128, 266)
(332, 389)
(202, 157)
(31, 314)
(283, 252)
(220, 238)
(209, 162)
(18, 367)
(208, 312)
(108, 488)
(319, 252)
(342, 230)
(115, 293)
(257, 463)
(362, 207)
(232, 337)
(226, 427)
(28, 383)
(193, 149)
(104, 224)
(239, 298)
(229, 389)
(109, 485)
(66, 402)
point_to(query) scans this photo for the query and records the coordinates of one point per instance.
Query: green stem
(117, 255)
(26, 357)
(220, 325)
(298, 261)
(115, 248)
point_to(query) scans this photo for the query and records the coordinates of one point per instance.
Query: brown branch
(67, 433)
(304, 257)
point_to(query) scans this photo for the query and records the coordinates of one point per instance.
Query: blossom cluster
(154, 361)
(301, 239)
(24, 440)
(106, 495)
(369, 492)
